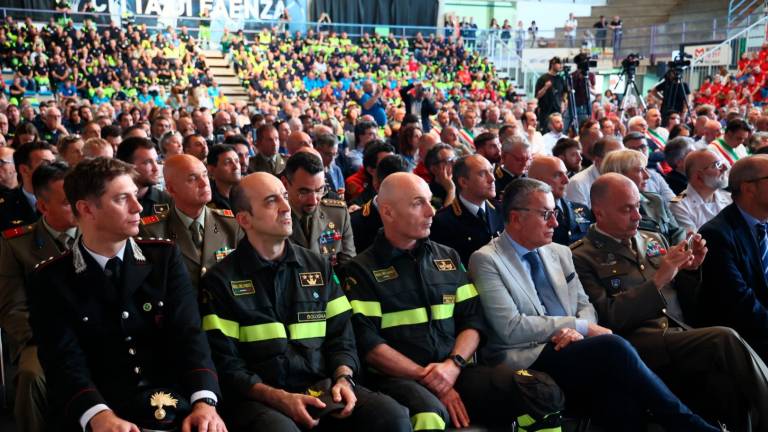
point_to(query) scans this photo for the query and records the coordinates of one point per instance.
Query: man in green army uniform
(21, 249)
(204, 235)
(645, 290)
(319, 224)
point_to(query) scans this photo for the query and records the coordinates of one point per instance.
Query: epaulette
(488, 203)
(678, 198)
(151, 240)
(576, 244)
(223, 212)
(151, 219)
(367, 208)
(333, 202)
(45, 262)
(456, 207)
(498, 172)
(17, 231)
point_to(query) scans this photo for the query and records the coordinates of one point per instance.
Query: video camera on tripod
(679, 63)
(582, 61)
(630, 63)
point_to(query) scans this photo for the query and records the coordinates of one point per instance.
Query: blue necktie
(762, 243)
(543, 286)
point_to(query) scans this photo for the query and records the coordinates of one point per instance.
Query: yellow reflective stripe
(229, 328)
(261, 332)
(367, 308)
(465, 292)
(427, 421)
(406, 317)
(307, 330)
(442, 311)
(337, 306)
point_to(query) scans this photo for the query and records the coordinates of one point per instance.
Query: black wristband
(207, 401)
(348, 378)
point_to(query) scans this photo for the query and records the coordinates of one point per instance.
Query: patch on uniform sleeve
(311, 279)
(445, 264)
(16, 232)
(242, 287)
(385, 274)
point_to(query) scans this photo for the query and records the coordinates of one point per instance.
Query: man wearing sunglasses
(705, 195)
(320, 224)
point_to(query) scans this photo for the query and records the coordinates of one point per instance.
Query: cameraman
(582, 91)
(549, 91)
(672, 94)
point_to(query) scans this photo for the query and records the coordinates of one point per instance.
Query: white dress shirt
(691, 211)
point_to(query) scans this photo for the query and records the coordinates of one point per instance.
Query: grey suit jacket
(520, 328)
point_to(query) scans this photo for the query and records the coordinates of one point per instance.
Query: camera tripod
(573, 113)
(629, 86)
(676, 89)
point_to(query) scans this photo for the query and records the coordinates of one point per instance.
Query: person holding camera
(583, 88)
(550, 88)
(673, 93)
(418, 102)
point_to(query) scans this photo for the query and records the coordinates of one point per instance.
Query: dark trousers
(489, 394)
(605, 375)
(717, 373)
(374, 412)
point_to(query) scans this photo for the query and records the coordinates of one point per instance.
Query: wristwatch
(207, 401)
(459, 361)
(348, 378)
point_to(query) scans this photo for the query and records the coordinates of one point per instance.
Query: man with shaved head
(471, 220)
(280, 332)
(204, 235)
(297, 140)
(573, 219)
(647, 291)
(418, 319)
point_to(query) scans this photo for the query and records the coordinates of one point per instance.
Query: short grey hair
(746, 170)
(513, 142)
(168, 135)
(517, 193)
(756, 139)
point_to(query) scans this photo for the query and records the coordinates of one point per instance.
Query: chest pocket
(614, 277)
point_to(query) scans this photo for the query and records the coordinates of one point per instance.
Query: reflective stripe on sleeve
(261, 332)
(406, 317)
(442, 311)
(337, 306)
(367, 308)
(465, 292)
(227, 327)
(307, 330)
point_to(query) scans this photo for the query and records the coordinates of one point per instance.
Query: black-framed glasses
(545, 214)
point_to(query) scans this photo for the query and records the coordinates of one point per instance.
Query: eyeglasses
(545, 214)
(449, 160)
(303, 193)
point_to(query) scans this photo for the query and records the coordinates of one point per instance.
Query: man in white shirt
(570, 30)
(705, 196)
(580, 184)
(555, 121)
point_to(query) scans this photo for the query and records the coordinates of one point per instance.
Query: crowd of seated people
(746, 87)
(393, 259)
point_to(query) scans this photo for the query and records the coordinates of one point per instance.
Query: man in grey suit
(542, 319)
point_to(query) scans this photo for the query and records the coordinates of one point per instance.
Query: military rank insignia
(161, 208)
(654, 249)
(242, 287)
(579, 215)
(445, 265)
(222, 253)
(311, 279)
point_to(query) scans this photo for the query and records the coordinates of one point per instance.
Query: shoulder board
(456, 207)
(17, 231)
(678, 198)
(576, 244)
(223, 212)
(153, 240)
(45, 262)
(151, 219)
(499, 173)
(489, 204)
(367, 208)
(333, 202)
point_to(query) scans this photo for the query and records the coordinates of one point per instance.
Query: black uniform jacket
(101, 345)
(455, 227)
(283, 323)
(415, 301)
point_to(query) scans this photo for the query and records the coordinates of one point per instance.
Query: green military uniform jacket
(21, 249)
(659, 218)
(220, 236)
(284, 323)
(620, 285)
(260, 163)
(415, 301)
(330, 232)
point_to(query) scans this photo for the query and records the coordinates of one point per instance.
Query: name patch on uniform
(445, 264)
(449, 299)
(385, 274)
(243, 287)
(311, 279)
(311, 316)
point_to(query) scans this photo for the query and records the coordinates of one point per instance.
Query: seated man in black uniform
(280, 329)
(18, 205)
(116, 318)
(471, 221)
(418, 320)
